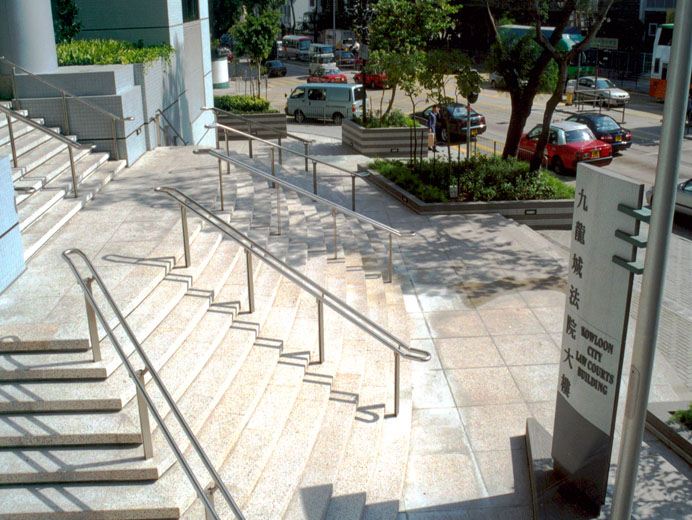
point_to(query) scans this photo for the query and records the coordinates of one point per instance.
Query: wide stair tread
(19, 128)
(27, 142)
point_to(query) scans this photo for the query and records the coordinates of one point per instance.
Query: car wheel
(337, 118)
(443, 135)
(557, 165)
(300, 117)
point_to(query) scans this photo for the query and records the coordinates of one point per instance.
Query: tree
(404, 27)
(65, 21)
(563, 58)
(224, 13)
(255, 37)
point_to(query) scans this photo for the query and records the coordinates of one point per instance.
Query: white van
(322, 62)
(320, 48)
(325, 101)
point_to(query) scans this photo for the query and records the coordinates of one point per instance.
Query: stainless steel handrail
(261, 125)
(141, 388)
(64, 105)
(335, 207)
(11, 114)
(158, 113)
(307, 157)
(322, 295)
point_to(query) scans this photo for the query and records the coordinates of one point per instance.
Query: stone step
(36, 157)
(62, 465)
(44, 228)
(68, 429)
(27, 142)
(3, 117)
(18, 129)
(61, 186)
(12, 344)
(32, 182)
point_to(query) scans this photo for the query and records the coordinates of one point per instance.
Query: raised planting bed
(382, 142)
(548, 213)
(677, 437)
(276, 121)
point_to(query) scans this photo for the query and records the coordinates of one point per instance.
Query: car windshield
(459, 111)
(606, 124)
(328, 72)
(577, 136)
(605, 83)
(298, 93)
(347, 55)
(303, 45)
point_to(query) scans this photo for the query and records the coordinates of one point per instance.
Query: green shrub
(683, 417)
(395, 119)
(479, 178)
(109, 52)
(243, 104)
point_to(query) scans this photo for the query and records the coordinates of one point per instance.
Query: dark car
(224, 51)
(606, 129)
(456, 114)
(345, 58)
(275, 68)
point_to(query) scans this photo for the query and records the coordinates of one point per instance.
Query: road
(643, 117)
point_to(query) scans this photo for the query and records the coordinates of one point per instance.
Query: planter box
(537, 214)
(276, 121)
(382, 142)
(676, 436)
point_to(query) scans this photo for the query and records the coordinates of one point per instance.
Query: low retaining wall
(537, 214)
(276, 121)
(382, 142)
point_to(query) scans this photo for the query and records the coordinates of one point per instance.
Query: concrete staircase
(43, 180)
(289, 437)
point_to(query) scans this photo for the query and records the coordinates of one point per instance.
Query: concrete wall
(11, 249)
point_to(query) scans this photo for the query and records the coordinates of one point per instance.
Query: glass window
(360, 93)
(606, 124)
(688, 186)
(190, 10)
(304, 45)
(552, 137)
(317, 94)
(535, 133)
(577, 136)
(666, 37)
(606, 83)
(298, 93)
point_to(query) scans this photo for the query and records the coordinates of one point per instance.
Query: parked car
(457, 116)
(345, 59)
(683, 197)
(224, 51)
(569, 143)
(606, 129)
(327, 76)
(275, 68)
(371, 79)
(600, 90)
(325, 101)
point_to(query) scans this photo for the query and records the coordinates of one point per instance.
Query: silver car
(683, 197)
(600, 90)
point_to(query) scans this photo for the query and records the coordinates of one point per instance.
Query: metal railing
(11, 114)
(597, 97)
(64, 93)
(321, 295)
(307, 157)
(159, 114)
(144, 400)
(335, 207)
(251, 123)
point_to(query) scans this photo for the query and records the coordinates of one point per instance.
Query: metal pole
(225, 138)
(334, 23)
(273, 167)
(653, 279)
(305, 146)
(320, 329)
(281, 159)
(336, 253)
(74, 175)
(64, 113)
(209, 492)
(314, 177)
(250, 281)
(397, 370)
(115, 139)
(250, 144)
(353, 192)
(186, 235)
(221, 185)
(147, 443)
(14, 90)
(468, 130)
(91, 321)
(390, 258)
(278, 210)
(157, 120)
(13, 146)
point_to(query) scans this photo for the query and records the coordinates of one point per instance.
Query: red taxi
(568, 144)
(372, 80)
(327, 76)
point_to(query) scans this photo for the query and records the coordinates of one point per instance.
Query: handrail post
(249, 140)
(157, 122)
(64, 114)
(397, 369)
(278, 210)
(115, 139)
(305, 146)
(209, 492)
(320, 330)
(281, 161)
(70, 153)
(250, 281)
(314, 177)
(147, 443)
(13, 146)
(221, 184)
(273, 167)
(336, 253)
(390, 258)
(228, 152)
(186, 235)
(14, 89)
(91, 321)
(353, 192)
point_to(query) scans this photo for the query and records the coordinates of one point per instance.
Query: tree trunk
(521, 110)
(550, 106)
(259, 79)
(391, 101)
(293, 17)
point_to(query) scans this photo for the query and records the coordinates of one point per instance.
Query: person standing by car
(432, 127)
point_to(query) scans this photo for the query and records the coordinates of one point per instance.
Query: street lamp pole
(334, 23)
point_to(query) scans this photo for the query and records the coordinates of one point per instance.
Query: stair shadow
(367, 414)
(301, 358)
(165, 262)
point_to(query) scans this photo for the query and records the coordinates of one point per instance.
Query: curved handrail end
(199, 151)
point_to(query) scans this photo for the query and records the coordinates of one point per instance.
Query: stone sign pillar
(26, 35)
